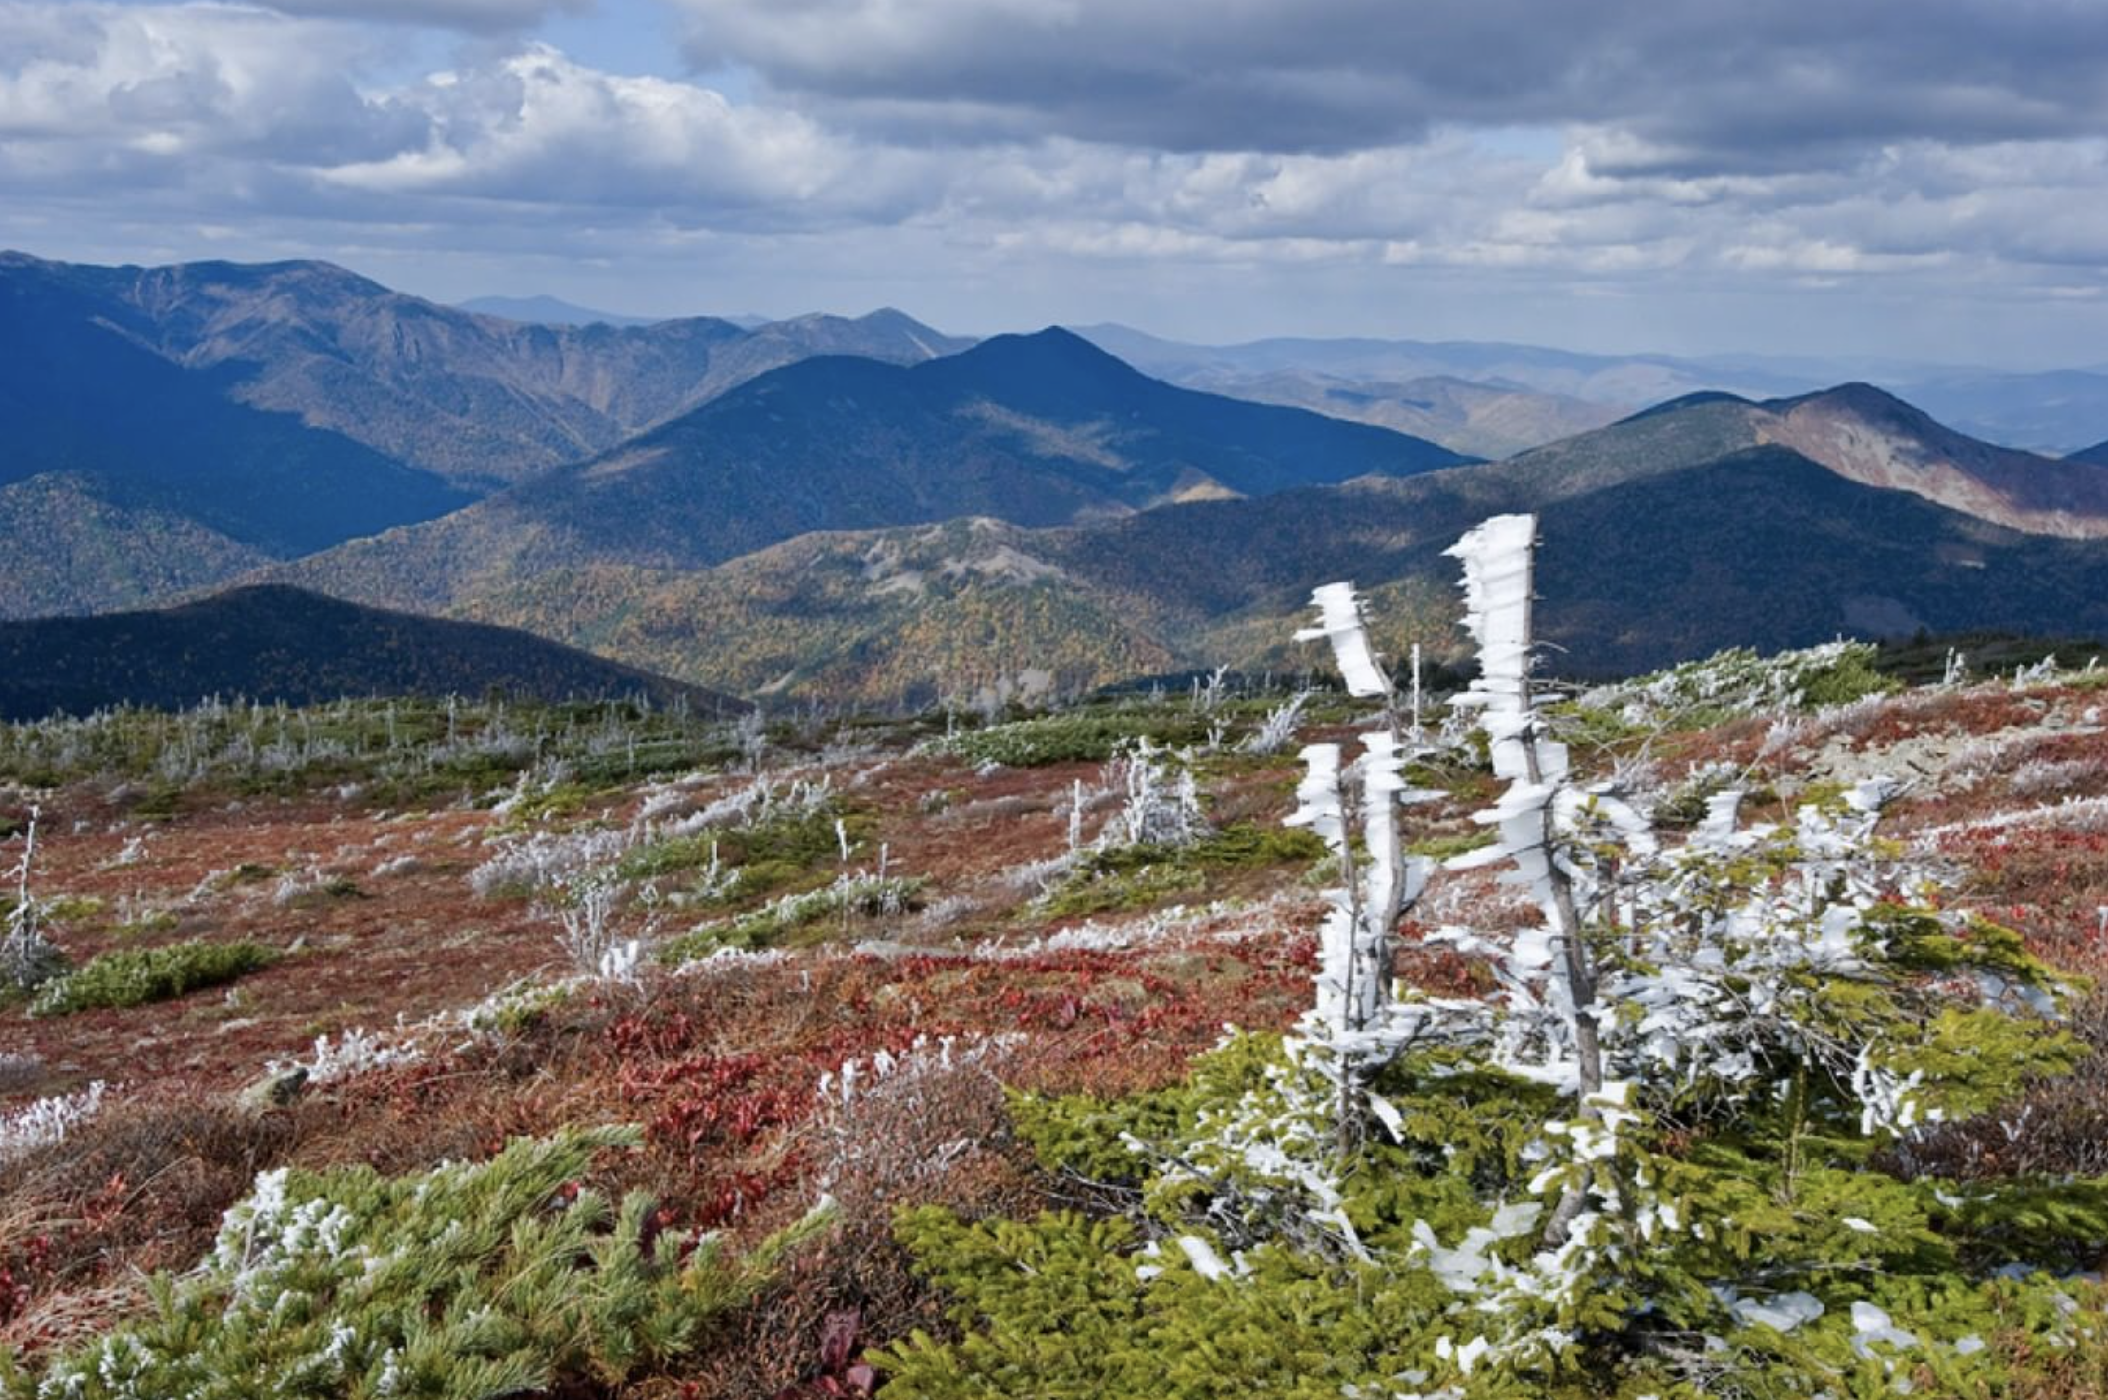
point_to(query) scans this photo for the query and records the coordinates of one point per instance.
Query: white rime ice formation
(1339, 622)
(1349, 1019)
(1656, 977)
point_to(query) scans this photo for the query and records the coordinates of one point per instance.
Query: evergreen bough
(468, 1282)
(136, 976)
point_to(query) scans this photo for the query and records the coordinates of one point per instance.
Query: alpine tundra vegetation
(1715, 1033)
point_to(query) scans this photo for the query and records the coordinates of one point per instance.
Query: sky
(1919, 179)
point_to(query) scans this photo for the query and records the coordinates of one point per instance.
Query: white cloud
(185, 81)
(535, 127)
(993, 154)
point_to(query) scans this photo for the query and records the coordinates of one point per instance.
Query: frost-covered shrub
(28, 959)
(883, 1104)
(135, 976)
(2041, 777)
(584, 908)
(311, 884)
(357, 1051)
(1658, 1155)
(469, 1281)
(1098, 879)
(1686, 802)
(1094, 736)
(1159, 799)
(512, 1009)
(1740, 682)
(522, 866)
(871, 895)
(1278, 726)
(759, 803)
(46, 1121)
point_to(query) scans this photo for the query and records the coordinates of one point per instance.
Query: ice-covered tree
(28, 957)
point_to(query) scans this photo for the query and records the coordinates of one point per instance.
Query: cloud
(104, 83)
(472, 16)
(535, 127)
(249, 109)
(992, 154)
(1700, 85)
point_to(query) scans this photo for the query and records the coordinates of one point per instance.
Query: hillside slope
(81, 397)
(480, 399)
(66, 548)
(275, 644)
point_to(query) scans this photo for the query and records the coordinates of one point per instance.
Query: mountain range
(1036, 430)
(869, 509)
(1668, 535)
(481, 400)
(216, 415)
(1545, 393)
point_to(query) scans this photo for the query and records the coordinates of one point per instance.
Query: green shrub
(866, 895)
(1064, 1306)
(1084, 892)
(1852, 677)
(1446, 847)
(1083, 736)
(468, 1282)
(134, 976)
(769, 856)
(1129, 877)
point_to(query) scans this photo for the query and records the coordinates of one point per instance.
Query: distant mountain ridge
(125, 473)
(273, 644)
(936, 514)
(1036, 430)
(1617, 380)
(2049, 412)
(1676, 532)
(1477, 419)
(168, 428)
(542, 310)
(479, 400)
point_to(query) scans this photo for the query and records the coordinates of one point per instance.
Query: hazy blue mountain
(1479, 420)
(2097, 455)
(83, 399)
(1628, 381)
(480, 400)
(2050, 412)
(543, 310)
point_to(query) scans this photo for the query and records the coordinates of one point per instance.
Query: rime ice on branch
(1349, 1021)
